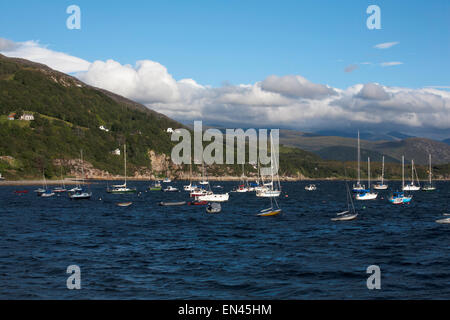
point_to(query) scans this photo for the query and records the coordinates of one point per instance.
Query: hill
(335, 147)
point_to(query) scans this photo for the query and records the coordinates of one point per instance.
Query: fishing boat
(156, 186)
(429, 186)
(412, 186)
(367, 194)
(214, 208)
(311, 187)
(171, 189)
(358, 186)
(123, 188)
(381, 185)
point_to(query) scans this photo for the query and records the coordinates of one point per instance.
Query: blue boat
(399, 198)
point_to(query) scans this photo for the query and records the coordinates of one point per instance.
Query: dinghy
(124, 204)
(214, 208)
(171, 204)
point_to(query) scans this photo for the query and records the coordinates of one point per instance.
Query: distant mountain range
(345, 148)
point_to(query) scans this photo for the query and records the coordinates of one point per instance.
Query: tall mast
(125, 156)
(368, 173)
(430, 168)
(382, 172)
(82, 167)
(359, 160)
(412, 172)
(403, 172)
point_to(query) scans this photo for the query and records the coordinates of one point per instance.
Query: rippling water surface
(151, 252)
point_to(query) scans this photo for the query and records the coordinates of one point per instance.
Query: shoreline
(215, 179)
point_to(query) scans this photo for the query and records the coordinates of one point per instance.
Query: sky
(307, 65)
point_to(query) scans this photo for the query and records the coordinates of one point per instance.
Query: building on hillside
(11, 116)
(116, 152)
(103, 128)
(169, 130)
(27, 117)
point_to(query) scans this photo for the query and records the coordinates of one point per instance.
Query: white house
(103, 128)
(27, 117)
(169, 130)
(116, 152)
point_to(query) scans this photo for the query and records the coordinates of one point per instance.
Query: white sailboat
(243, 184)
(430, 186)
(79, 194)
(123, 188)
(399, 197)
(412, 186)
(273, 188)
(191, 187)
(209, 195)
(367, 194)
(204, 181)
(350, 213)
(381, 185)
(272, 193)
(358, 186)
(47, 193)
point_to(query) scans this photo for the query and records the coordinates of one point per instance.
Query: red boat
(21, 191)
(198, 203)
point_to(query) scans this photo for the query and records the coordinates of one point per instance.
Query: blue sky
(245, 41)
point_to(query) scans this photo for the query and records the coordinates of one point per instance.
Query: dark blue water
(151, 252)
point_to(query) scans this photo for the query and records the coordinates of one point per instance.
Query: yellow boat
(125, 204)
(270, 212)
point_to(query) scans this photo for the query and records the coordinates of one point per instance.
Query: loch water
(150, 252)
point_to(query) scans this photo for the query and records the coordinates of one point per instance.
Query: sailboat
(79, 194)
(350, 214)
(61, 189)
(122, 189)
(191, 187)
(47, 193)
(412, 186)
(271, 189)
(271, 193)
(381, 185)
(430, 186)
(204, 181)
(358, 186)
(400, 197)
(208, 195)
(243, 185)
(367, 194)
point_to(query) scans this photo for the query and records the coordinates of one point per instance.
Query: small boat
(363, 195)
(214, 197)
(311, 187)
(399, 197)
(358, 186)
(80, 195)
(167, 180)
(59, 190)
(198, 192)
(40, 191)
(47, 194)
(430, 186)
(155, 187)
(21, 191)
(444, 221)
(171, 189)
(269, 212)
(381, 185)
(124, 204)
(198, 203)
(412, 186)
(170, 204)
(214, 208)
(122, 189)
(350, 213)
(76, 189)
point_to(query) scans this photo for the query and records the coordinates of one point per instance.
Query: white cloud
(390, 64)
(32, 50)
(277, 101)
(386, 45)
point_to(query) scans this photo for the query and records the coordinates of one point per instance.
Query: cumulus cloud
(386, 45)
(277, 101)
(32, 50)
(373, 91)
(296, 86)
